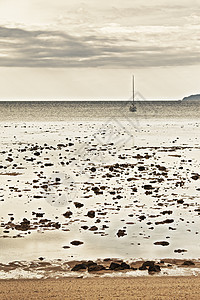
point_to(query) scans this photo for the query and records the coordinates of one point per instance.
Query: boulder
(188, 263)
(76, 243)
(121, 232)
(115, 266)
(155, 268)
(79, 267)
(124, 266)
(91, 214)
(95, 268)
(67, 214)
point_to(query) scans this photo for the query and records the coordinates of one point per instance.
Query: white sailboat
(133, 107)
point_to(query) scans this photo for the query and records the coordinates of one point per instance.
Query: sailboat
(133, 107)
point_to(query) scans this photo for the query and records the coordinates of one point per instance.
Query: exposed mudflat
(96, 189)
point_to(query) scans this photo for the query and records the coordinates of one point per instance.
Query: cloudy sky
(73, 49)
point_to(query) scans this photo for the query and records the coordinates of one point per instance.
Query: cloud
(110, 46)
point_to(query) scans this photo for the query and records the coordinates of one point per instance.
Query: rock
(76, 243)
(168, 221)
(195, 177)
(121, 232)
(67, 214)
(91, 214)
(84, 227)
(48, 164)
(96, 190)
(155, 268)
(180, 250)
(141, 168)
(162, 243)
(61, 145)
(36, 153)
(188, 263)
(9, 159)
(148, 187)
(93, 228)
(39, 215)
(169, 212)
(78, 204)
(146, 264)
(142, 218)
(90, 263)
(180, 201)
(24, 225)
(142, 268)
(79, 267)
(95, 268)
(124, 266)
(93, 169)
(115, 266)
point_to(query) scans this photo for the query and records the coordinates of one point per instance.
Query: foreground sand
(102, 288)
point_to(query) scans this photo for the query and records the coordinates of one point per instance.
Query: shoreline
(101, 268)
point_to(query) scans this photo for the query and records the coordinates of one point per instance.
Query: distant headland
(192, 98)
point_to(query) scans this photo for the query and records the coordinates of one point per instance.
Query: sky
(90, 49)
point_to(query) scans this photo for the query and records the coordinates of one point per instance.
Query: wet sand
(137, 194)
(103, 288)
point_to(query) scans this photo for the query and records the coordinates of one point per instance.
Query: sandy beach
(102, 288)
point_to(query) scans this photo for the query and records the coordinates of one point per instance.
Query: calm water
(85, 110)
(167, 131)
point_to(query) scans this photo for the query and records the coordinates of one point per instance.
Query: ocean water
(32, 111)
(158, 146)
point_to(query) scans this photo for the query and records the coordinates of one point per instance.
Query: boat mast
(133, 89)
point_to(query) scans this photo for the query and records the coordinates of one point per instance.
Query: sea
(96, 110)
(137, 171)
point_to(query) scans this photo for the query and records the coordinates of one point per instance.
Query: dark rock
(39, 215)
(95, 268)
(180, 201)
(9, 159)
(124, 266)
(67, 214)
(78, 204)
(142, 218)
(195, 177)
(37, 153)
(169, 212)
(91, 214)
(142, 268)
(89, 263)
(188, 263)
(76, 243)
(146, 264)
(148, 187)
(84, 227)
(79, 267)
(162, 243)
(121, 232)
(141, 168)
(155, 268)
(93, 228)
(48, 164)
(180, 250)
(115, 266)
(23, 226)
(168, 221)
